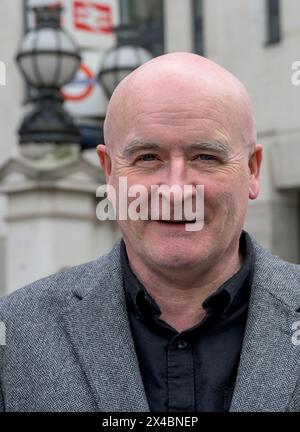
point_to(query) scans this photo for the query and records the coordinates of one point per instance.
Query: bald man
(172, 319)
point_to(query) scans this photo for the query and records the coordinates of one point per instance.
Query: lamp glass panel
(47, 65)
(131, 57)
(50, 69)
(29, 41)
(27, 67)
(47, 39)
(122, 74)
(108, 81)
(111, 79)
(68, 68)
(67, 43)
(126, 57)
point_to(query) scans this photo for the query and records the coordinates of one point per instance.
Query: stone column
(50, 220)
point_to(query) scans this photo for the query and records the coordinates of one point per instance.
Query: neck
(179, 293)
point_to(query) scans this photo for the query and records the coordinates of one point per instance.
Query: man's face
(176, 137)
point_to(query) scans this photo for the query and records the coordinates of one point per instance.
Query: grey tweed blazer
(69, 345)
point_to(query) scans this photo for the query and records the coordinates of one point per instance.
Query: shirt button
(182, 344)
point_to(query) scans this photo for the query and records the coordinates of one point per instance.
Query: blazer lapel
(270, 363)
(99, 330)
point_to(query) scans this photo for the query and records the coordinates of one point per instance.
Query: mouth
(179, 226)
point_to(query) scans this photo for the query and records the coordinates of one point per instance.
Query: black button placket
(180, 375)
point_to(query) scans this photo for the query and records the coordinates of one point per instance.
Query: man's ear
(254, 171)
(104, 160)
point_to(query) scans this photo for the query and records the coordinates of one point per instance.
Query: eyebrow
(222, 148)
(137, 145)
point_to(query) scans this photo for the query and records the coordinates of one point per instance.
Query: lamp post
(48, 59)
(122, 59)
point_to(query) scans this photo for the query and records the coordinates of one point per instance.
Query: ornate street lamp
(119, 61)
(48, 59)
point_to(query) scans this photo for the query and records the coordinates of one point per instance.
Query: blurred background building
(48, 201)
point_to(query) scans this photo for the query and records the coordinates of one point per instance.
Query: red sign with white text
(92, 17)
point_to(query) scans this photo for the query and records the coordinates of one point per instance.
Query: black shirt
(192, 370)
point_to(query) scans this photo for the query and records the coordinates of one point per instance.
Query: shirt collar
(227, 298)
(230, 295)
(134, 290)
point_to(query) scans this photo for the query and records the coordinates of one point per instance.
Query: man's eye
(206, 157)
(147, 157)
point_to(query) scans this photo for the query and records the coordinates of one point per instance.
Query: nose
(177, 172)
(179, 177)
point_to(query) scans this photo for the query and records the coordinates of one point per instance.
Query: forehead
(179, 117)
(178, 107)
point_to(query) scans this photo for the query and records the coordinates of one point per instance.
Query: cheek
(226, 197)
(135, 176)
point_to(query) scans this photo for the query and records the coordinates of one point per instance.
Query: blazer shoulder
(281, 278)
(56, 291)
(271, 262)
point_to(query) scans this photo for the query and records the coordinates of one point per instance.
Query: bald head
(179, 79)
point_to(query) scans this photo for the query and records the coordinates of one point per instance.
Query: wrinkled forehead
(176, 92)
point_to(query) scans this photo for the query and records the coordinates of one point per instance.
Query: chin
(175, 255)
